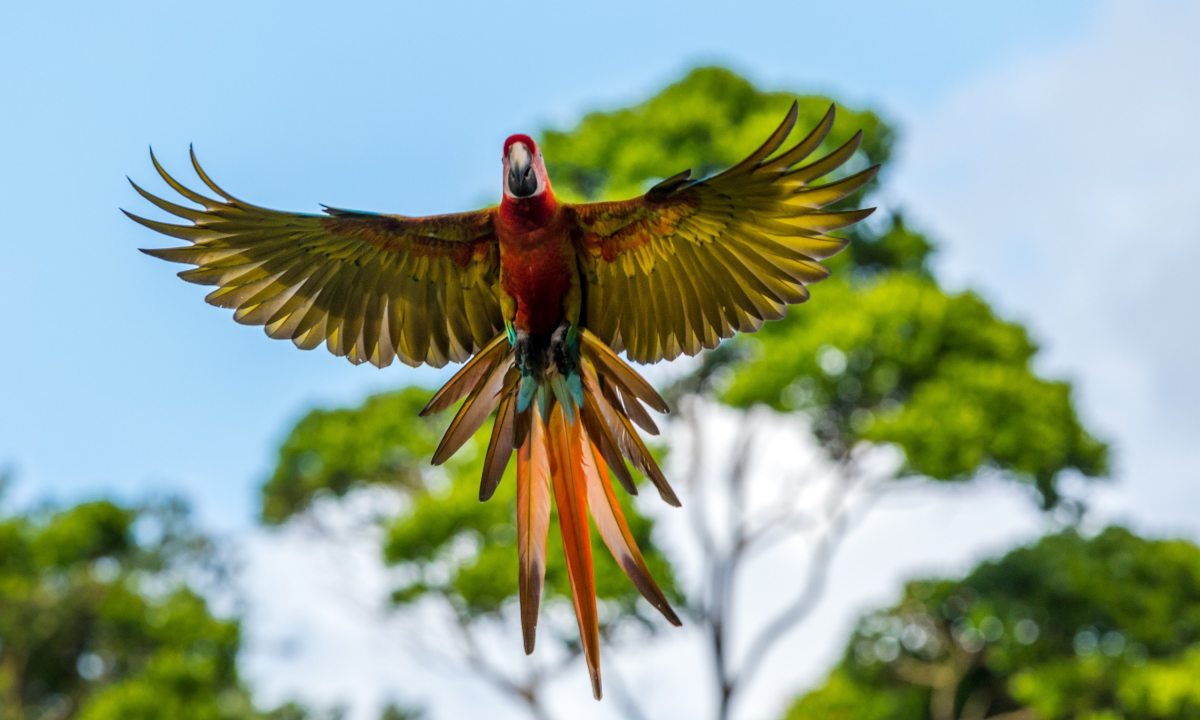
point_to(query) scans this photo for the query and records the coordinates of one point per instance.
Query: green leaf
(1069, 627)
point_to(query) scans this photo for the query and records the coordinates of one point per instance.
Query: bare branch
(621, 694)
(785, 522)
(839, 511)
(527, 692)
(739, 469)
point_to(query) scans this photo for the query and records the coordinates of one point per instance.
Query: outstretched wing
(371, 287)
(692, 262)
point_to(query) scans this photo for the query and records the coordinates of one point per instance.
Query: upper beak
(522, 180)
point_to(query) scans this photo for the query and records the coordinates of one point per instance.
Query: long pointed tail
(568, 446)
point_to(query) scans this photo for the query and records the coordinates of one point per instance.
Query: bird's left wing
(693, 261)
(370, 287)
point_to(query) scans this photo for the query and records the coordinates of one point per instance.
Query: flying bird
(538, 297)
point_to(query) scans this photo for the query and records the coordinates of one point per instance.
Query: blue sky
(1049, 147)
(115, 377)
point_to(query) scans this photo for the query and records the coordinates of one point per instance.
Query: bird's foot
(564, 349)
(523, 349)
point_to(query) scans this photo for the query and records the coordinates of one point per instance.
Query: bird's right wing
(694, 261)
(370, 287)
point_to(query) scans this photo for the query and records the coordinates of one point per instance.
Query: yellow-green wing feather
(692, 262)
(370, 287)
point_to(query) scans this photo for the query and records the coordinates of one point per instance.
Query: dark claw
(523, 349)
(561, 352)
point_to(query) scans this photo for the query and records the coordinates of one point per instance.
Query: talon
(523, 350)
(563, 351)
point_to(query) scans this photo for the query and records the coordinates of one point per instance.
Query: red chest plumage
(537, 263)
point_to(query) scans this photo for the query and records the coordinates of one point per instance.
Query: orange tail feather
(572, 455)
(610, 521)
(570, 497)
(533, 520)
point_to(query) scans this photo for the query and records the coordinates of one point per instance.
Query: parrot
(537, 298)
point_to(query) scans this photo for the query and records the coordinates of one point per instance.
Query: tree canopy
(881, 354)
(707, 121)
(1097, 628)
(96, 622)
(894, 359)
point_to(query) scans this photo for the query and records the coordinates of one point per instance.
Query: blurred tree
(1070, 627)
(707, 121)
(97, 623)
(885, 359)
(449, 549)
(895, 360)
(395, 712)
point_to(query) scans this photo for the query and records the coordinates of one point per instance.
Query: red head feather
(527, 211)
(521, 138)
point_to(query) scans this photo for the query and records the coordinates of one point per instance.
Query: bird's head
(524, 171)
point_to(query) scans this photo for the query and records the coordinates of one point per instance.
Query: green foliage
(447, 543)
(882, 354)
(1071, 627)
(707, 121)
(334, 451)
(395, 712)
(842, 697)
(894, 359)
(96, 624)
(896, 247)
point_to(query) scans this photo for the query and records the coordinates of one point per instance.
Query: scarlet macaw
(538, 297)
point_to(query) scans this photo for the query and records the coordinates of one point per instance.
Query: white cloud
(1066, 185)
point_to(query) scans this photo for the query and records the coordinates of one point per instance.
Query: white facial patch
(522, 160)
(518, 154)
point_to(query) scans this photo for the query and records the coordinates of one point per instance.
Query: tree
(1070, 627)
(885, 361)
(98, 623)
(884, 358)
(451, 551)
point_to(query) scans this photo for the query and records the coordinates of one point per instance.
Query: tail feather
(533, 521)
(633, 408)
(569, 433)
(610, 521)
(610, 410)
(570, 496)
(619, 371)
(600, 434)
(480, 403)
(562, 396)
(468, 377)
(500, 448)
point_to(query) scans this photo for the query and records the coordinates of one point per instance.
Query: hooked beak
(522, 180)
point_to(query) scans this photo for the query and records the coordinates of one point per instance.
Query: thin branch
(695, 473)
(475, 658)
(528, 692)
(785, 522)
(738, 472)
(838, 514)
(621, 694)
(723, 567)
